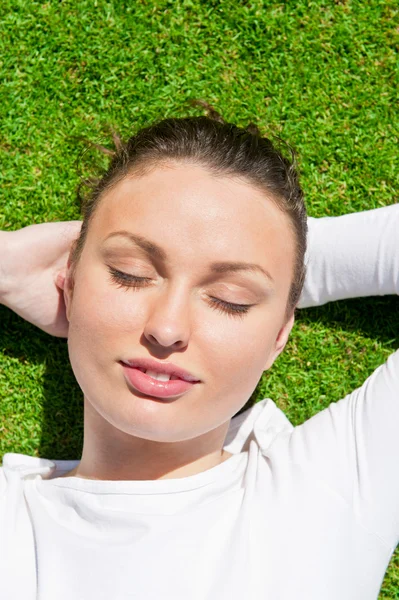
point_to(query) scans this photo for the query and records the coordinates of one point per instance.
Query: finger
(70, 232)
(60, 278)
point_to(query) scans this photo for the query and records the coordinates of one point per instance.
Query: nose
(168, 323)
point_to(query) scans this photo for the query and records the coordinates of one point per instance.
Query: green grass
(323, 75)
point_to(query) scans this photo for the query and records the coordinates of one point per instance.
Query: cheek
(101, 310)
(237, 350)
(104, 322)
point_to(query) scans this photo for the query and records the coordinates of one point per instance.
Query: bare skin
(196, 219)
(32, 269)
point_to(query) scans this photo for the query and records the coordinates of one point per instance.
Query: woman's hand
(33, 262)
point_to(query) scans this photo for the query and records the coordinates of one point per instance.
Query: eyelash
(125, 281)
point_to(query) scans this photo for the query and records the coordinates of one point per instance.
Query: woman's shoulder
(22, 467)
(263, 421)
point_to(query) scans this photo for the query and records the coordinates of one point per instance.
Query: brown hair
(223, 149)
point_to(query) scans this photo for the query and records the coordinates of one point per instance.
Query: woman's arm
(4, 275)
(32, 261)
(352, 256)
(353, 445)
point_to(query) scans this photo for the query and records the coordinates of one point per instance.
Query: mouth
(156, 382)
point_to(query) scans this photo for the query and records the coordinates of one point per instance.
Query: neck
(111, 454)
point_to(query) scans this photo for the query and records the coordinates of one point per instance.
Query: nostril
(177, 344)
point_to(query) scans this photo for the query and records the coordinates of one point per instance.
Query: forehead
(192, 214)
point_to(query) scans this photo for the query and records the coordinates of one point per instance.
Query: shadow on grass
(376, 318)
(62, 399)
(62, 402)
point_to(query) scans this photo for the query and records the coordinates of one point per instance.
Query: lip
(152, 365)
(140, 382)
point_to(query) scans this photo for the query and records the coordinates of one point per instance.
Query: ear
(281, 341)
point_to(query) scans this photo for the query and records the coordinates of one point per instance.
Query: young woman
(179, 292)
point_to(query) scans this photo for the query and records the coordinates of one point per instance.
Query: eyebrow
(155, 251)
(149, 247)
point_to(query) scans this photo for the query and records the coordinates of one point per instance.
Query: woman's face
(185, 230)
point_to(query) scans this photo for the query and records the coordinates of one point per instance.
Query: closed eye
(127, 281)
(237, 310)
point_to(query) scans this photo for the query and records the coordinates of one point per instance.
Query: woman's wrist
(5, 264)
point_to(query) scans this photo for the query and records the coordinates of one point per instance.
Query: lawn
(322, 75)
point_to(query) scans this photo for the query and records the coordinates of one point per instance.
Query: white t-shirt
(304, 513)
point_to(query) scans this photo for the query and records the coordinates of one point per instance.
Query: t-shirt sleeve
(3, 491)
(353, 446)
(351, 256)
(3, 484)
